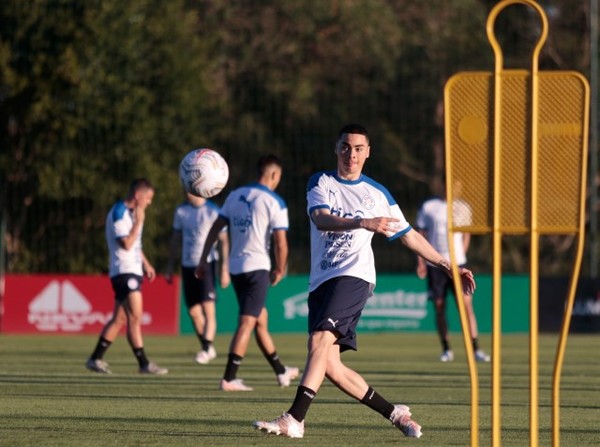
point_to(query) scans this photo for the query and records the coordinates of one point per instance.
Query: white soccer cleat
(481, 356)
(400, 418)
(283, 425)
(204, 357)
(235, 385)
(97, 365)
(153, 369)
(447, 356)
(285, 378)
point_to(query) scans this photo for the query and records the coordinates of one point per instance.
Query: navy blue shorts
(197, 291)
(439, 283)
(124, 284)
(336, 306)
(251, 291)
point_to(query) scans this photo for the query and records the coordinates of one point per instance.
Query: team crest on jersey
(368, 202)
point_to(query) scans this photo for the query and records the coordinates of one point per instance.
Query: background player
(432, 222)
(255, 214)
(192, 221)
(127, 265)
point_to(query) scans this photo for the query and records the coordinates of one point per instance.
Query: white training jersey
(347, 253)
(119, 223)
(194, 223)
(432, 218)
(253, 212)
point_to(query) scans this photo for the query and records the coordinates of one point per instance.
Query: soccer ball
(203, 172)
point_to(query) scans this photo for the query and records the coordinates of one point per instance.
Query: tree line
(95, 93)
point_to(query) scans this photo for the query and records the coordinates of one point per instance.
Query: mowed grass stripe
(48, 398)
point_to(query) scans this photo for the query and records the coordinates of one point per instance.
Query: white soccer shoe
(97, 365)
(284, 379)
(154, 369)
(204, 357)
(400, 418)
(447, 356)
(481, 356)
(283, 425)
(235, 385)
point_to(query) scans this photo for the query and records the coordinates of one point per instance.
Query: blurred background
(95, 93)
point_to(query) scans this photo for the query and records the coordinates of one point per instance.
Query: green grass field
(48, 398)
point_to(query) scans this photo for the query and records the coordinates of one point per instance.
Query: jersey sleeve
(317, 195)
(280, 219)
(177, 220)
(121, 224)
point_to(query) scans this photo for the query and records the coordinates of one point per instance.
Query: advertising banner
(80, 304)
(586, 309)
(399, 304)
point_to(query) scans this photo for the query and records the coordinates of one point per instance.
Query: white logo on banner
(388, 310)
(60, 306)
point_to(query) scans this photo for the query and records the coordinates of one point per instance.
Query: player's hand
(276, 276)
(224, 279)
(383, 225)
(150, 272)
(422, 270)
(467, 280)
(139, 213)
(199, 272)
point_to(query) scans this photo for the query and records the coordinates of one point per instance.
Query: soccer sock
(304, 397)
(200, 339)
(101, 347)
(275, 363)
(446, 345)
(233, 363)
(140, 355)
(206, 344)
(375, 401)
(475, 344)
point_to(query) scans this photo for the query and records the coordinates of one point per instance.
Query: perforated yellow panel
(469, 101)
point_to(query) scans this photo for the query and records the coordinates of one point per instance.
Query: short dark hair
(265, 161)
(354, 128)
(138, 184)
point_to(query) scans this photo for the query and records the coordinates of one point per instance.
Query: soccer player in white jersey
(127, 266)
(346, 208)
(192, 221)
(432, 222)
(254, 214)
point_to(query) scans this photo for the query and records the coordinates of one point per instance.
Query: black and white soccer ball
(203, 172)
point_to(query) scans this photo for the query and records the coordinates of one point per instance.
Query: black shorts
(251, 291)
(197, 291)
(336, 306)
(439, 283)
(124, 284)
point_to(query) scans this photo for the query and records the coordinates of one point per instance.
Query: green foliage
(94, 93)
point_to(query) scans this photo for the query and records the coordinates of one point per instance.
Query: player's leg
(250, 296)
(354, 385)
(438, 283)
(208, 298)
(285, 374)
(208, 352)
(134, 309)
(480, 355)
(193, 293)
(111, 329)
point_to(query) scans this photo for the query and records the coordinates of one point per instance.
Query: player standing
(192, 221)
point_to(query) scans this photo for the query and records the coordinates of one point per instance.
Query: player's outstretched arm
(421, 247)
(211, 238)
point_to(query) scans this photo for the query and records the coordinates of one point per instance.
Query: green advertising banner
(399, 304)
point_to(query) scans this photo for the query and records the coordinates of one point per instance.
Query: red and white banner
(81, 304)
